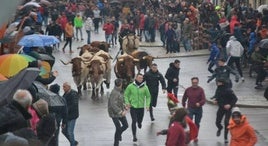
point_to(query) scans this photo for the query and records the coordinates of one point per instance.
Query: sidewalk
(247, 95)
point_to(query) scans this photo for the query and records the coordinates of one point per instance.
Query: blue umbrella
(37, 40)
(49, 40)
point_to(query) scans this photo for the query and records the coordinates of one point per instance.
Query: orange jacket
(69, 30)
(242, 134)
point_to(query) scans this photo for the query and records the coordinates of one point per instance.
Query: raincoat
(242, 134)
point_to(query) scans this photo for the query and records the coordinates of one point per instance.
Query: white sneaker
(243, 79)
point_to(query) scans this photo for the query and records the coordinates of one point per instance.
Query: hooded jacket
(116, 103)
(214, 54)
(242, 134)
(225, 95)
(234, 47)
(137, 95)
(172, 73)
(232, 23)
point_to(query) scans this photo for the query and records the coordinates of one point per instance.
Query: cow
(97, 69)
(130, 43)
(125, 68)
(145, 60)
(79, 72)
(102, 45)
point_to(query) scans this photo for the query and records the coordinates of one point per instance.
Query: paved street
(95, 128)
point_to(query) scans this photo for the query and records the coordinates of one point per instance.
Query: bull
(145, 60)
(125, 68)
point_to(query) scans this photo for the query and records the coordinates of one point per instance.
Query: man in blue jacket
(214, 56)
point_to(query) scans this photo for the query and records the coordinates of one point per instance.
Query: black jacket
(72, 104)
(172, 73)
(13, 117)
(225, 95)
(223, 72)
(152, 80)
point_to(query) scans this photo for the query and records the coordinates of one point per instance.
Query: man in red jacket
(195, 98)
(108, 27)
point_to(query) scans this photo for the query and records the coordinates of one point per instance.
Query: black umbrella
(53, 100)
(22, 80)
(46, 57)
(263, 44)
(114, 2)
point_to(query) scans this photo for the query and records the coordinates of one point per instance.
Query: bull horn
(121, 59)
(65, 62)
(136, 59)
(144, 57)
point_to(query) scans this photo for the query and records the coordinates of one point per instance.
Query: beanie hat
(41, 107)
(55, 88)
(236, 112)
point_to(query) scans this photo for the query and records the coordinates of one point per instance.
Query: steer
(125, 68)
(145, 60)
(97, 69)
(130, 43)
(88, 48)
(107, 59)
(102, 45)
(79, 72)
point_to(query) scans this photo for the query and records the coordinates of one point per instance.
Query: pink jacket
(35, 119)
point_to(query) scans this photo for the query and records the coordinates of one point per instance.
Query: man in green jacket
(137, 96)
(78, 24)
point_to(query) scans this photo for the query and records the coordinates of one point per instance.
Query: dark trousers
(121, 125)
(211, 64)
(220, 113)
(153, 103)
(137, 117)
(174, 88)
(236, 60)
(261, 74)
(68, 41)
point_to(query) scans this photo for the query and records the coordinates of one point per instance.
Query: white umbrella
(261, 7)
(35, 4)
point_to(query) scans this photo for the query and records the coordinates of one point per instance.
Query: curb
(175, 56)
(243, 105)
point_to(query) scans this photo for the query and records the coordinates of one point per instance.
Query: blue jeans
(68, 131)
(108, 38)
(187, 44)
(88, 36)
(80, 30)
(197, 114)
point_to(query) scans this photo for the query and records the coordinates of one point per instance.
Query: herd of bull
(94, 64)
